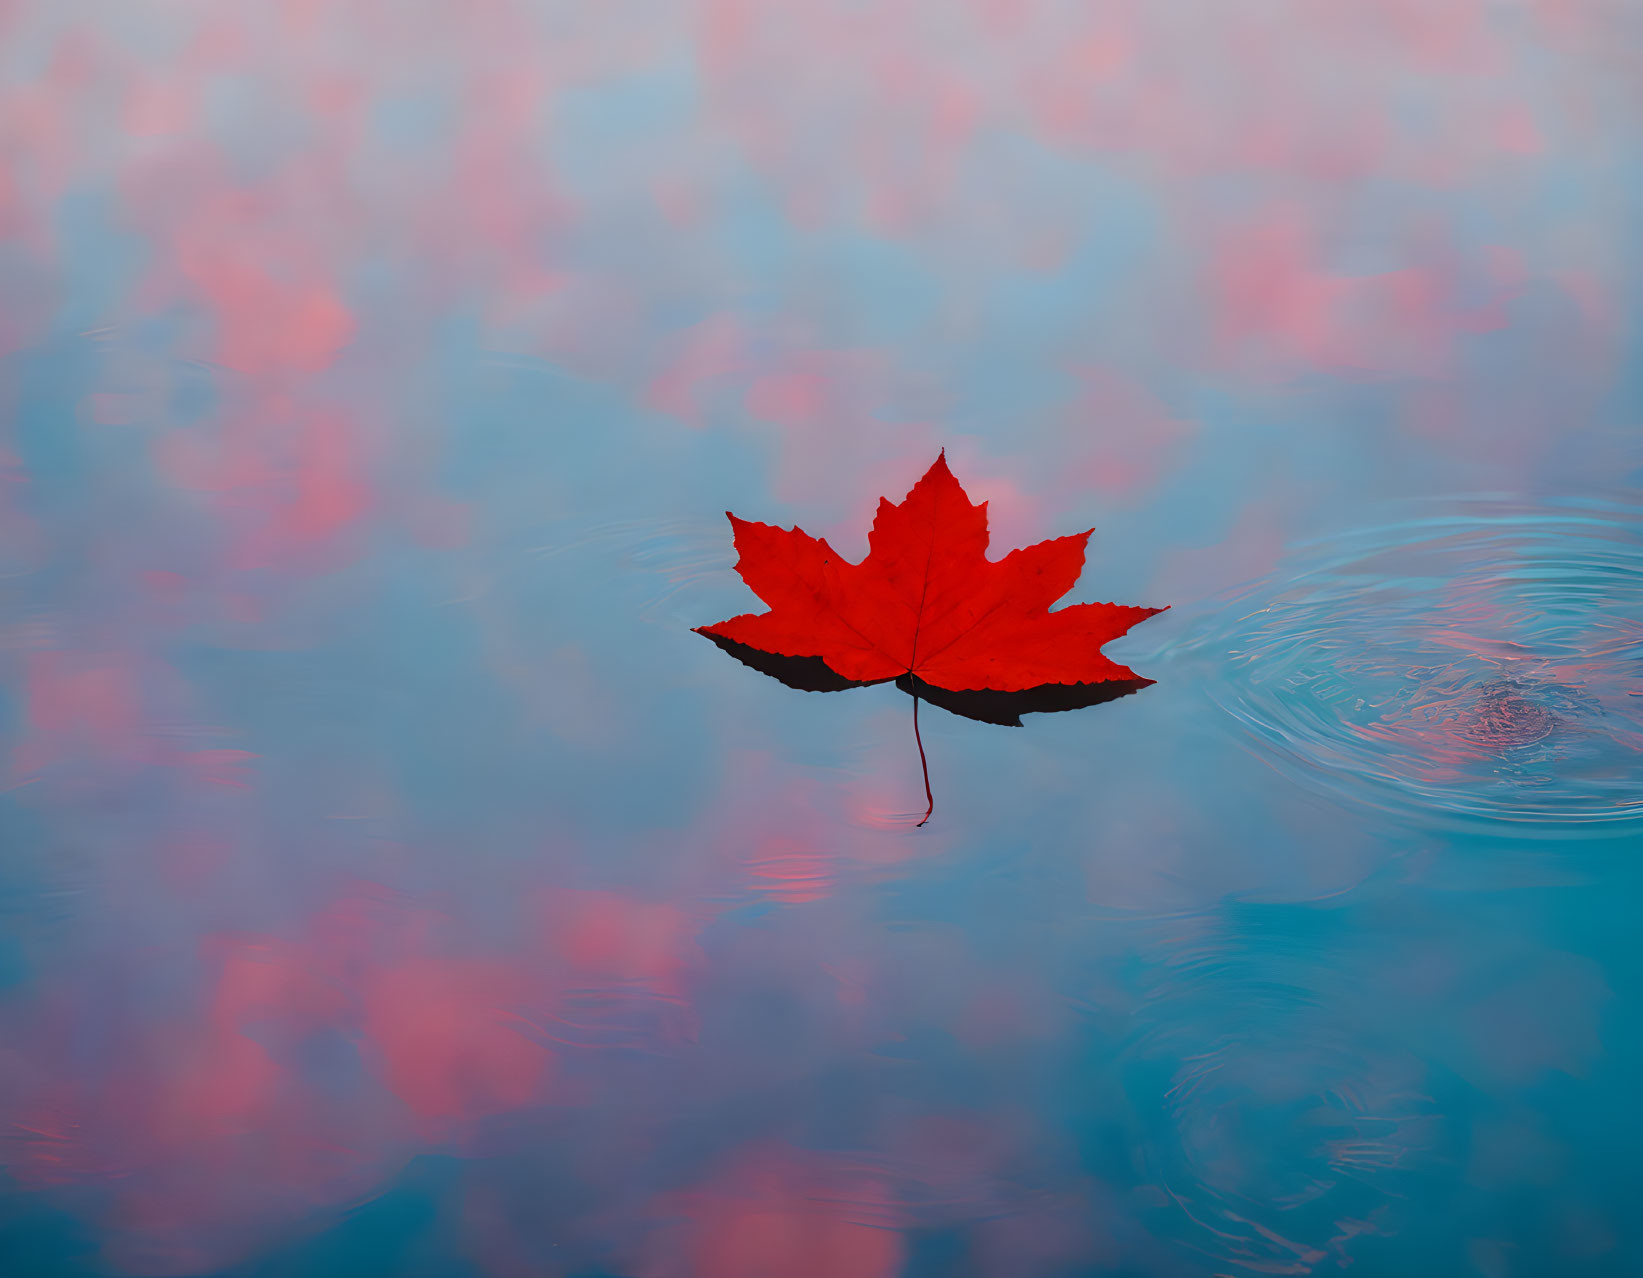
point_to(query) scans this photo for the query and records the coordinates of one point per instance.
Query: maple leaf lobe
(926, 602)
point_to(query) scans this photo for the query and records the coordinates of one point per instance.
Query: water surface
(392, 885)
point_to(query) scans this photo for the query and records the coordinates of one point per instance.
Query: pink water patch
(778, 1210)
(450, 1038)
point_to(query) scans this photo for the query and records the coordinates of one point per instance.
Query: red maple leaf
(928, 609)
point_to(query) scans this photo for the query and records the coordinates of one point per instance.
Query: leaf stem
(923, 763)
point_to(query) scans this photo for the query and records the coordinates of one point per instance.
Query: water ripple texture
(1271, 1133)
(1483, 664)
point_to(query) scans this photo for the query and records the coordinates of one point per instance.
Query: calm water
(392, 885)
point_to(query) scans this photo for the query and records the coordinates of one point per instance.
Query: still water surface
(392, 885)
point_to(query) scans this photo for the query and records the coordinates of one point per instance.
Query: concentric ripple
(1271, 1131)
(1485, 664)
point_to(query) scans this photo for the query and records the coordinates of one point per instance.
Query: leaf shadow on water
(812, 674)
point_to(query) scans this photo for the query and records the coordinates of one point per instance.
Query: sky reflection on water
(391, 884)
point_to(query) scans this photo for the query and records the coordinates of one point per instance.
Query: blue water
(393, 886)
(1321, 951)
